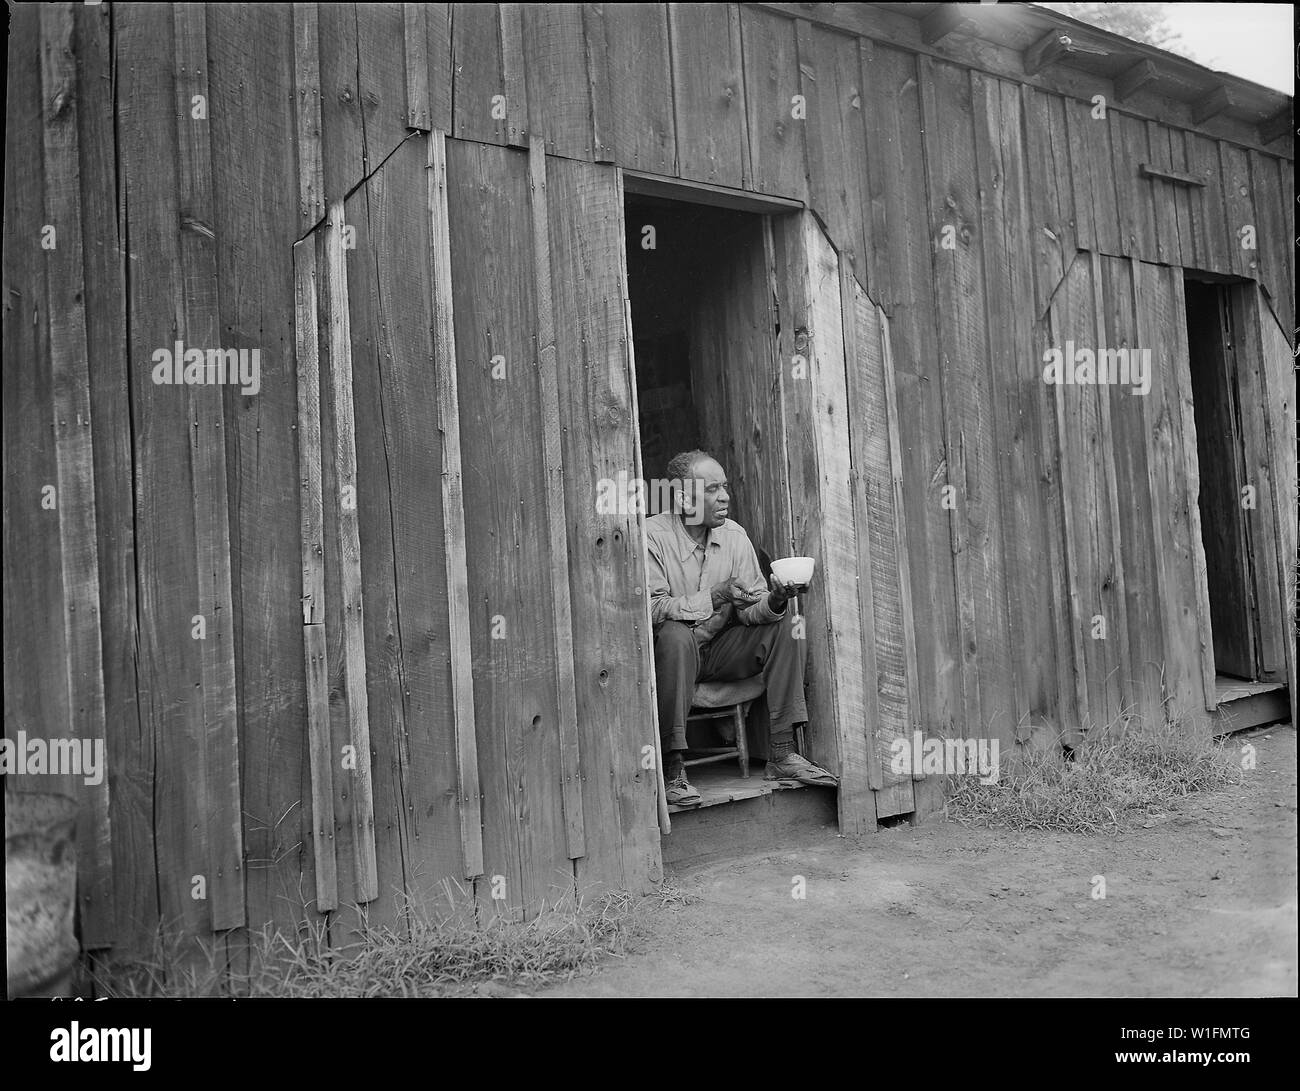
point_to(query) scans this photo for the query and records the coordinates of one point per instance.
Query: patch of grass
(1112, 781)
(454, 955)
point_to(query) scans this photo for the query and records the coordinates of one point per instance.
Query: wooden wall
(1027, 509)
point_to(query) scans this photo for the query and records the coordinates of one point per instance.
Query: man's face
(707, 499)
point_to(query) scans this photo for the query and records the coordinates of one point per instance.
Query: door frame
(825, 486)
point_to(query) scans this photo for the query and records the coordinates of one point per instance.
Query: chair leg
(798, 741)
(742, 741)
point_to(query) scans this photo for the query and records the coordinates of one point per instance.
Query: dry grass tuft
(1112, 782)
(455, 955)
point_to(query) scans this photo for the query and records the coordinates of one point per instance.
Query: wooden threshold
(1243, 704)
(726, 785)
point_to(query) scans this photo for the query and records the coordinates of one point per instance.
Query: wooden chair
(725, 701)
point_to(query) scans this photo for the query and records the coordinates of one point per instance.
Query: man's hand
(782, 593)
(734, 592)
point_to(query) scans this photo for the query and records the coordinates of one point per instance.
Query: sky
(1254, 41)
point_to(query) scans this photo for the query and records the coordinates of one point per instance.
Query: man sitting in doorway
(713, 622)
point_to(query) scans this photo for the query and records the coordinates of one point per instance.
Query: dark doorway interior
(703, 334)
(703, 341)
(1225, 530)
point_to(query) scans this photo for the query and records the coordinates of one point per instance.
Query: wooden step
(1243, 704)
(744, 815)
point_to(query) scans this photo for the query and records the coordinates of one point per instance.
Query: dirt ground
(1200, 902)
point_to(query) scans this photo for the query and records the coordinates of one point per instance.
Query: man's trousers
(735, 653)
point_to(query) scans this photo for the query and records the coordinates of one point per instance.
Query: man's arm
(760, 613)
(664, 605)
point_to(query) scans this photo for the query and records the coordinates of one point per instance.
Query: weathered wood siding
(983, 213)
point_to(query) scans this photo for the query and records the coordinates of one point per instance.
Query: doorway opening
(704, 329)
(1226, 500)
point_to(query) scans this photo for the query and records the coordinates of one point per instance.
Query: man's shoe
(794, 767)
(681, 794)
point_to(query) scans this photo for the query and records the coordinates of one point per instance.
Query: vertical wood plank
(202, 328)
(1097, 216)
(1008, 280)
(104, 256)
(1072, 476)
(513, 640)
(598, 81)
(1213, 241)
(258, 217)
(645, 646)
(1249, 433)
(524, 114)
(306, 321)
(75, 471)
(478, 77)
(1273, 232)
(1135, 516)
(900, 527)
(438, 52)
(1159, 309)
(414, 51)
(553, 491)
(611, 656)
(644, 127)
(1280, 431)
(307, 361)
(1135, 204)
(888, 713)
(453, 509)
(381, 82)
(899, 212)
(1181, 402)
(837, 176)
(348, 544)
(708, 95)
(343, 136)
(816, 423)
(772, 79)
(408, 663)
(170, 671)
(1114, 581)
(320, 757)
(307, 116)
(952, 187)
(35, 695)
(1239, 210)
(1157, 199)
(559, 90)
(1050, 189)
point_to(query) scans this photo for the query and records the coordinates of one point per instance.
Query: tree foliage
(1147, 23)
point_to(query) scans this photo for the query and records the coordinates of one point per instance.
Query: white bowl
(796, 571)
